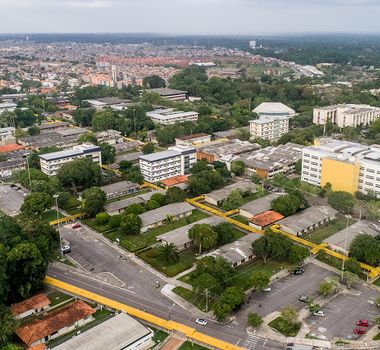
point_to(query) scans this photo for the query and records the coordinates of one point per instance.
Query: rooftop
(124, 203)
(193, 136)
(234, 147)
(266, 218)
(10, 148)
(36, 302)
(118, 187)
(75, 151)
(260, 205)
(153, 157)
(175, 180)
(273, 108)
(223, 193)
(166, 91)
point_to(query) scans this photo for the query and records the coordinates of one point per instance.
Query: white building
(51, 162)
(6, 133)
(7, 106)
(162, 165)
(170, 116)
(346, 115)
(191, 140)
(269, 129)
(272, 110)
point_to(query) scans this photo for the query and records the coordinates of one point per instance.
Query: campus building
(162, 165)
(169, 94)
(269, 129)
(272, 110)
(169, 116)
(347, 166)
(51, 162)
(345, 115)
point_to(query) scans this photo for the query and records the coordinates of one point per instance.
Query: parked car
(267, 289)
(76, 226)
(362, 323)
(201, 321)
(303, 299)
(298, 271)
(359, 331)
(66, 249)
(319, 313)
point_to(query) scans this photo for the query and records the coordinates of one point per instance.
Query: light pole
(55, 196)
(348, 217)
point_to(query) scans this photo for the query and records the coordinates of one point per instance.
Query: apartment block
(51, 162)
(346, 115)
(170, 116)
(347, 166)
(175, 161)
(269, 129)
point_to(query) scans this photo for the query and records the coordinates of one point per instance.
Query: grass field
(241, 219)
(289, 330)
(192, 298)
(50, 215)
(58, 297)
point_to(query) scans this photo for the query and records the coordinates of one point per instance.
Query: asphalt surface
(342, 312)
(285, 292)
(11, 199)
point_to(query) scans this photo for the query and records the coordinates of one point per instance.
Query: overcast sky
(190, 16)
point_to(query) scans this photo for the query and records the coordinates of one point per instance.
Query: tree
(102, 218)
(218, 267)
(148, 148)
(238, 167)
(154, 81)
(158, 198)
(130, 224)
(373, 209)
(135, 209)
(297, 254)
(36, 203)
(88, 137)
(325, 288)
(33, 130)
(366, 248)
(199, 166)
(80, 172)
(124, 165)
(349, 279)
(175, 195)
(233, 201)
(8, 325)
(200, 183)
(152, 204)
(289, 314)
(225, 233)
(353, 266)
(93, 200)
(206, 281)
(259, 280)
(134, 175)
(286, 205)
(35, 175)
(203, 236)
(221, 311)
(169, 253)
(114, 221)
(254, 320)
(342, 201)
(108, 153)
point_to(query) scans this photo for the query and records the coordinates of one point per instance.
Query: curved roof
(273, 107)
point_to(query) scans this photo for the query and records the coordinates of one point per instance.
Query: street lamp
(348, 217)
(55, 196)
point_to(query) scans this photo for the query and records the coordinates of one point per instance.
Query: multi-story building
(170, 116)
(346, 115)
(7, 106)
(6, 133)
(51, 162)
(269, 129)
(169, 94)
(163, 165)
(347, 166)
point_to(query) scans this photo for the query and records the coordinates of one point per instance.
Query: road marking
(250, 342)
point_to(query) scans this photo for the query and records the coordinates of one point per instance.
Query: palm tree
(169, 253)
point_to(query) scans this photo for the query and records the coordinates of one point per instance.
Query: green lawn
(50, 215)
(284, 327)
(159, 335)
(376, 337)
(94, 225)
(254, 196)
(72, 203)
(241, 219)
(74, 211)
(377, 282)
(319, 235)
(58, 297)
(186, 260)
(188, 346)
(192, 298)
(133, 243)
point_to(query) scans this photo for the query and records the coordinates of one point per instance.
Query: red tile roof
(176, 180)
(266, 218)
(10, 148)
(37, 347)
(53, 322)
(37, 302)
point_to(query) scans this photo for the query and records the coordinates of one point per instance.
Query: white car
(267, 289)
(201, 321)
(319, 313)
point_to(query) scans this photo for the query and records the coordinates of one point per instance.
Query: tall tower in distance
(114, 74)
(252, 44)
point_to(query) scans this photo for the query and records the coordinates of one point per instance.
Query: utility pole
(55, 196)
(207, 295)
(345, 243)
(30, 180)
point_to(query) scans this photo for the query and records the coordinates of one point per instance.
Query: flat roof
(114, 334)
(166, 91)
(153, 157)
(77, 150)
(118, 186)
(261, 204)
(124, 203)
(273, 108)
(223, 193)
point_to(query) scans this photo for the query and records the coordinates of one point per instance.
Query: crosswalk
(250, 342)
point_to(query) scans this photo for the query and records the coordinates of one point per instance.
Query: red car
(362, 323)
(359, 331)
(76, 226)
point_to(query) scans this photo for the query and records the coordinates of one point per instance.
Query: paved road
(11, 199)
(343, 312)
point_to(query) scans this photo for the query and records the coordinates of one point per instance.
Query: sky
(189, 16)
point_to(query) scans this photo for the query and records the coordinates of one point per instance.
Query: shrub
(114, 221)
(254, 320)
(102, 218)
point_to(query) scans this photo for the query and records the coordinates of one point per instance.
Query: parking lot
(286, 291)
(11, 199)
(342, 313)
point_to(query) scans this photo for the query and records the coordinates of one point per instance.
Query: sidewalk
(174, 343)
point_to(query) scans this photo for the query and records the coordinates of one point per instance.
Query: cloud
(88, 3)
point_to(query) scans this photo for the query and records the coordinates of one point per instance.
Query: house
(258, 205)
(178, 181)
(118, 207)
(307, 220)
(342, 240)
(238, 252)
(119, 189)
(37, 347)
(180, 238)
(31, 306)
(157, 217)
(216, 197)
(56, 323)
(265, 219)
(119, 332)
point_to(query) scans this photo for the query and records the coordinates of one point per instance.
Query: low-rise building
(119, 189)
(180, 237)
(180, 181)
(119, 332)
(6, 133)
(269, 161)
(157, 217)
(169, 94)
(51, 162)
(270, 110)
(345, 115)
(109, 136)
(7, 106)
(170, 116)
(342, 240)
(259, 205)
(56, 323)
(307, 220)
(269, 129)
(191, 140)
(265, 219)
(30, 306)
(162, 165)
(118, 207)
